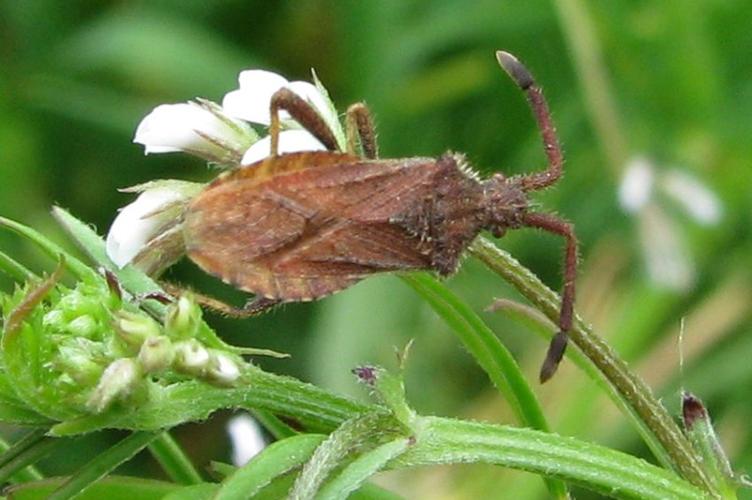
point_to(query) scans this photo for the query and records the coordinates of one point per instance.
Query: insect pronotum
(300, 226)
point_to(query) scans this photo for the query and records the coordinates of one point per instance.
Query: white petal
(698, 201)
(133, 227)
(192, 128)
(290, 141)
(246, 438)
(636, 184)
(251, 101)
(666, 257)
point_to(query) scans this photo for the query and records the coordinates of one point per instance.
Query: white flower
(667, 259)
(290, 141)
(156, 210)
(246, 438)
(199, 128)
(252, 100)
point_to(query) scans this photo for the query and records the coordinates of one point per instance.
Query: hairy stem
(631, 387)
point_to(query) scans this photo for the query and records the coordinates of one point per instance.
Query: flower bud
(223, 370)
(135, 328)
(183, 318)
(705, 441)
(77, 357)
(191, 357)
(117, 382)
(156, 354)
(83, 326)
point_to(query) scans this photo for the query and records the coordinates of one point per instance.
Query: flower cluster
(69, 352)
(146, 232)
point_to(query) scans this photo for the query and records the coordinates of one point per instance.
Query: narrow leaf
(361, 469)
(103, 464)
(173, 460)
(273, 461)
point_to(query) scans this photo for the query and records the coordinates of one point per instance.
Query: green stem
(29, 473)
(173, 460)
(610, 472)
(631, 387)
(28, 453)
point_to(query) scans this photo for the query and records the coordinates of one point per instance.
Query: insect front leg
(559, 342)
(524, 80)
(359, 122)
(303, 113)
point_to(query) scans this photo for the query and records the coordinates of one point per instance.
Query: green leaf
(203, 491)
(111, 488)
(27, 452)
(361, 469)
(352, 434)
(489, 352)
(601, 469)
(54, 251)
(173, 460)
(167, 407)
(103, 464)
(275, 460)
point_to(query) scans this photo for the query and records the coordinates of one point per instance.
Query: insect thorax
(448, 216)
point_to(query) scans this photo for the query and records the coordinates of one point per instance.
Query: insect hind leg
(254, 307)
(524, 80)
(304, 113)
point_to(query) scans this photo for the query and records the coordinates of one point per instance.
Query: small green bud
(183, 318)
(83, 326)
(191, 357)
(117, 382)
(75, 304)
(135, 328)
(54, 320)
(705, 441)
(77, 358)
(223, 369)
(156, 354)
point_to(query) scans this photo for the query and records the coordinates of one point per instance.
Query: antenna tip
(515, 69)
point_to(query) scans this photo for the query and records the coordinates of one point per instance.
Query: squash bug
(300, 226)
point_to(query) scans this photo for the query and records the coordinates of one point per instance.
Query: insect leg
(253, 307)
(303, 113)
(359, 122)
(559, 342)
(525, 81)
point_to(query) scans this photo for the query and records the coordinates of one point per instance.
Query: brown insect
(300, 226)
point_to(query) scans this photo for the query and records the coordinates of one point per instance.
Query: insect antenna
(524, 80)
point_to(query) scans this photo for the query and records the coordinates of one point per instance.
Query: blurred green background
(667, 81)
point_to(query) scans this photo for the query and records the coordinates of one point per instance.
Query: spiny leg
(305, 114)
(360, 123)
(253, 307)
(525, 81)
(559, 342)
